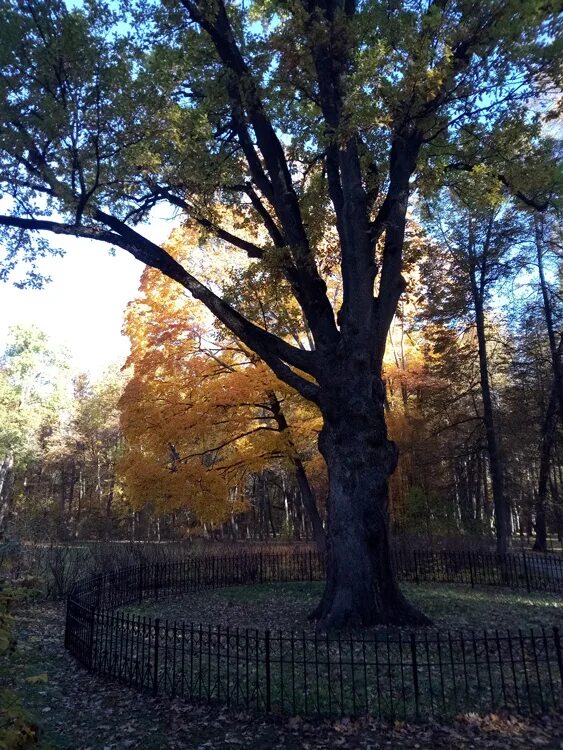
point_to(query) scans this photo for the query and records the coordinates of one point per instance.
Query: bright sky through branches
(82, 307)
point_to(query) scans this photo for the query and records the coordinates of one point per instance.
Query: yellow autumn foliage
(196, 413)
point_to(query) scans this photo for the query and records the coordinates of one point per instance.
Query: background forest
(194, 436)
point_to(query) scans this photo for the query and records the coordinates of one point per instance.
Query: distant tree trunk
(109, 504)
(464, 483)
(548, 434)
(81, 492)
(502, 512)
(487, 510)
(109, 500)
(307, 496)
(72, 485)
(62, 530)
(310, 504)
(547, 438)
(234, 526)
(267, 507)
(478, 490)
(99, 489)
(554, 348)
(6, 468)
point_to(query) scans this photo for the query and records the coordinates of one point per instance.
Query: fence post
(67, 621)
(471, 569)
(91, 652)
(415, 675)
(268, 675)
(155, 582)
(526, 571)
(140, 583)
(557, 641)
(155, 675)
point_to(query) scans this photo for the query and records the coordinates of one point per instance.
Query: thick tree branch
(332, 54)
(276, 352)
(275, 234)
(250, 248)
(538, 204)
(392, 217)
(405, 148)
(308, 287)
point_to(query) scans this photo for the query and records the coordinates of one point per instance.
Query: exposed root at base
(336, 617)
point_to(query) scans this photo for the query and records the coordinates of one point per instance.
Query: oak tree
(317, 115)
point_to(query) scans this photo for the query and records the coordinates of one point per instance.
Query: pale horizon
(81, 308)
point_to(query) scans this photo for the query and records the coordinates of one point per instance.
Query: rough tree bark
(555, 403)
(554, 348)
(361, 587)
(502, 511)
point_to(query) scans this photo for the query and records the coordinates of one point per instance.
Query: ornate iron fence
(387, 673)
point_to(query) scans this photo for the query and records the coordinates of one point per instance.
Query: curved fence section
(387, 673)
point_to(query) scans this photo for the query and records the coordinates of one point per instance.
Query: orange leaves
(196, 413)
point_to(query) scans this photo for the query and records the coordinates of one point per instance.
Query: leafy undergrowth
(285, 606)
(17, 731)
(80, 712)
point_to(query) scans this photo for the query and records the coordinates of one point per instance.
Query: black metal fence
(387, 673)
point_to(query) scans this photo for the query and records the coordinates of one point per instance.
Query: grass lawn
(285, 606)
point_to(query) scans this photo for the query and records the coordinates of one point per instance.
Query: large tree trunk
(361, 587)
(555, 399)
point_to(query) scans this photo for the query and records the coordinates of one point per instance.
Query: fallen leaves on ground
(78, 711)
(286, 606)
